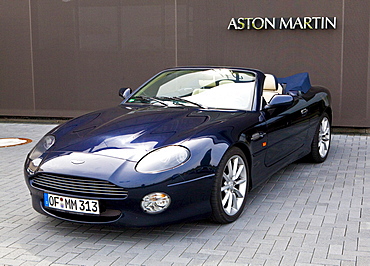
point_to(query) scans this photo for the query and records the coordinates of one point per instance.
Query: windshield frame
(255, 101)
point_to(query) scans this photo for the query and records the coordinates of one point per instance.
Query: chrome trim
(192, 180)
(77, 186)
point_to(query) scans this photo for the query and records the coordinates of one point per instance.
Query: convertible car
(190, 143)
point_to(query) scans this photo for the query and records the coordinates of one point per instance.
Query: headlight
(163, 159)
(41, 147)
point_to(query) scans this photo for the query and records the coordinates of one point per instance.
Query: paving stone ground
(306, 214)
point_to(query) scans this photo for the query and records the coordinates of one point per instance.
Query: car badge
(77, 161)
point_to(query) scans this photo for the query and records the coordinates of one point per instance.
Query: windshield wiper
(178, 99)
(150, 98)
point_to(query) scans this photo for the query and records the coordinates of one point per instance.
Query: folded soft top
(298, 82)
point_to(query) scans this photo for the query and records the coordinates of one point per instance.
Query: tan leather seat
(271, 87)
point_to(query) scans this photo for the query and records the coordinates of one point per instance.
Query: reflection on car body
(189, 143)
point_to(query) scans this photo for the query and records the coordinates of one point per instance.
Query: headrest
(270, 83)
(206, 83)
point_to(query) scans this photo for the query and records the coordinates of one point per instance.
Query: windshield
(206, 88)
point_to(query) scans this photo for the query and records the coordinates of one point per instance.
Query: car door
(287, 128)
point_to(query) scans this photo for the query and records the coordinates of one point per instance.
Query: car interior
(271, 87)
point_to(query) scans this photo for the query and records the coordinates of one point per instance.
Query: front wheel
(321, 142)
(231, 187)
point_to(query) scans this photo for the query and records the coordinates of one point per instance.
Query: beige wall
(63, 58)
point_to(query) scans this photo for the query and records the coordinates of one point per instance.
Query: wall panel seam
(32, 63)
(176, 62)
(341, 62)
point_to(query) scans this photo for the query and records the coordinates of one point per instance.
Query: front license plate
(71, 204)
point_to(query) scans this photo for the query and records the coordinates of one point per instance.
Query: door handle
(304, 111)
(258, 135)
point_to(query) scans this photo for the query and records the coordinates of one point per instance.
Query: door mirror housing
(280, 101)
(125, 93)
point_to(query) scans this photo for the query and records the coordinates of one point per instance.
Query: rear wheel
(231, 187)
(321, 142)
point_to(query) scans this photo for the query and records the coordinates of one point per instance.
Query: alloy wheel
(234, 185)
(324, 137)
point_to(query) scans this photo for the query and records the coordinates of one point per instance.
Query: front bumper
(189, 200)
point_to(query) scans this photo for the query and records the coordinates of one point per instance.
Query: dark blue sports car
(188, 144)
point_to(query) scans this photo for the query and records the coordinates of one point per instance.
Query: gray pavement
(307, 214)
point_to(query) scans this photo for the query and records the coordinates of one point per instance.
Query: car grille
(78, 186)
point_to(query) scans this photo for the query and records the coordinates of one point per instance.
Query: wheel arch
(245, 149)
(329, 111)
(219, 198)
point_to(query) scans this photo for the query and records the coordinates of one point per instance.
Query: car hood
(128, 132)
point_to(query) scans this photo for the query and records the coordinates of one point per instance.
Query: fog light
(155, 202)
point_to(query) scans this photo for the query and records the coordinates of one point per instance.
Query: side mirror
(280, 101)
(124, 93)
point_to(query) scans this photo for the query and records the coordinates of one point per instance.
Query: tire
(320, 145)
(231, 187)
